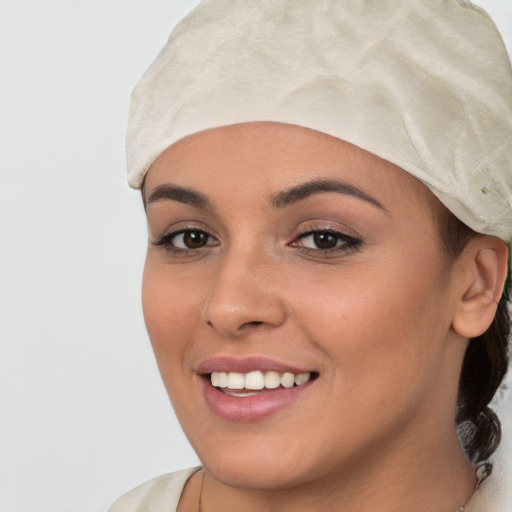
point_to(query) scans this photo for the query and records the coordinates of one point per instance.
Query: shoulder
(160, 494)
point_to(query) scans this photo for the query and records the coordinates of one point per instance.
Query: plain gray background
(83, 414)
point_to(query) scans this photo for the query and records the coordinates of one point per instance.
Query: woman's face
(274, 250)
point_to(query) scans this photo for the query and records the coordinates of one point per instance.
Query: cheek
(384, 331)
(169, 313)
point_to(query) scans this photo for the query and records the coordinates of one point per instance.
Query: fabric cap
(426, 85)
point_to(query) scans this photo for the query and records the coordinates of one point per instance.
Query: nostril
(246, 324)
(251, 324)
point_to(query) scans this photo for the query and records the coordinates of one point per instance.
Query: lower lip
(251, 408)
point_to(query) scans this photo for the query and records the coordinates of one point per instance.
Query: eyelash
(166, 241)
(343, 242)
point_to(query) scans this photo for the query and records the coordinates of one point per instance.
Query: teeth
(239, 394)
(287, 380)
(257, 380)
(272, 380)
(236, 380)
(223, 380)
(302, 378)
(254, 380)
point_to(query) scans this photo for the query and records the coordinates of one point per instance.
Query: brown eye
(325, 240)
(322, 240)
(194, 239)
(186, 240)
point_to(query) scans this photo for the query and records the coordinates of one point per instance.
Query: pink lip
(251, 408)
(248, 364)
(245, 409)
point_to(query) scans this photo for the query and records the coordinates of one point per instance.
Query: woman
(328, 193)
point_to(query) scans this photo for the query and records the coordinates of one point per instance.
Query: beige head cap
(426, 85)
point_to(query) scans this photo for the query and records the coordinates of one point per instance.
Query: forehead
(261, 158)
(265, 156)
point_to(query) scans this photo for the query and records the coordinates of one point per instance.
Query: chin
(268, 473)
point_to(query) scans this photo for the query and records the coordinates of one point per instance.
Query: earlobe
(484, 264)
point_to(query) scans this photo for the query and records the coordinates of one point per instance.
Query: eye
(325, 241)
(186, 240)
(190, 239)
(320, 240)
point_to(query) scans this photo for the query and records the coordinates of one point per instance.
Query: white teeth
(239, 394)
(223, 380)
(287, 380)
(272, 380)
(302, 378)
(257, 380)
(254, 380)
(236, 380)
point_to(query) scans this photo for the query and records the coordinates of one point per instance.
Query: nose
(244, 295)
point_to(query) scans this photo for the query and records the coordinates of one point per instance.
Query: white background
(83, 414)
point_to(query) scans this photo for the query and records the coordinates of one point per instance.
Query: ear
(484, 269)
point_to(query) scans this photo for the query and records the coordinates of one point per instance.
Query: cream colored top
(163, 493)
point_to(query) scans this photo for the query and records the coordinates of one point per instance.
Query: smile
(255, 381)
(253, 388)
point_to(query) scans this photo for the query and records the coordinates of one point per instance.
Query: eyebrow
(280, 200)
(309, 188)
(182, 195)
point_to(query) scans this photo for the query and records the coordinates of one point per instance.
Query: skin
(375, 318)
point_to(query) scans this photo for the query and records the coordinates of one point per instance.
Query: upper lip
(246, 365)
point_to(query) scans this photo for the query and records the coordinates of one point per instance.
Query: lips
(252, 388)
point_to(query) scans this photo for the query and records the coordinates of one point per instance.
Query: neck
(394, 480)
